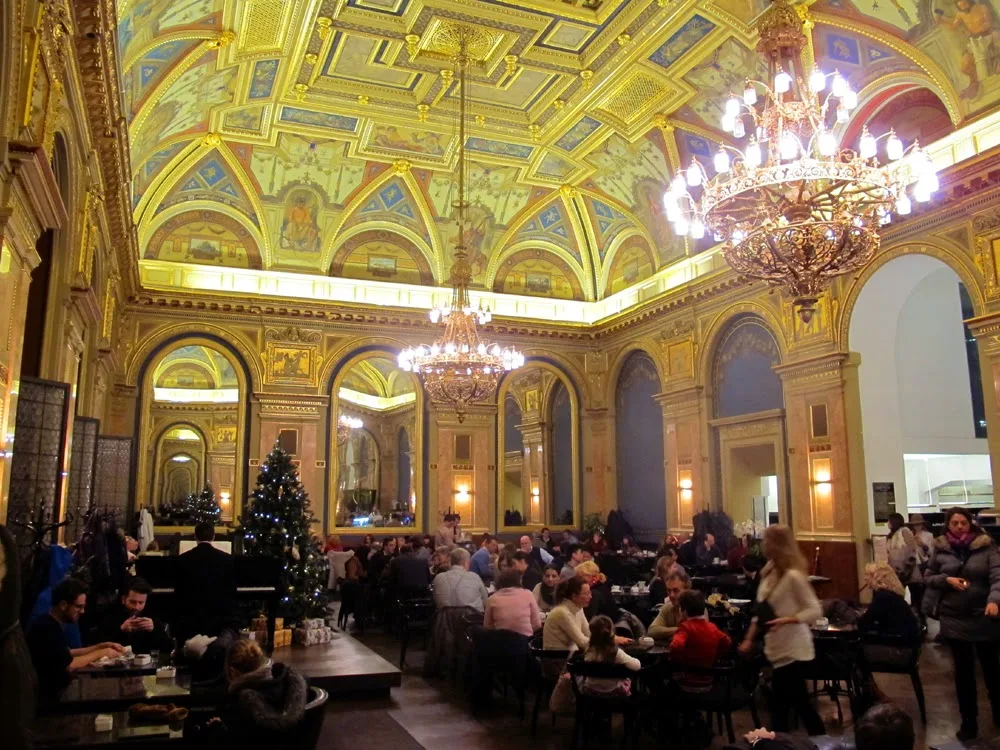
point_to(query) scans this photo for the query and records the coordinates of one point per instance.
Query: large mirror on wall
(377, 459)
(193, 413)
(538, 442)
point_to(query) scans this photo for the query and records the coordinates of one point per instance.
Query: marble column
(986, 329)
(599, 480)
(685, 458)
(537, 483)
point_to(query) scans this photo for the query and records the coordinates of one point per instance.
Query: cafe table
(108, 694)
(77, 731)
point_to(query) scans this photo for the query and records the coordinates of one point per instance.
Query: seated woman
(545, 592)
(263, 701)
(603, 648)
(630, 548)
(512, 607)
(602, 602)
(888, 614)
(597, 543)
(566, 627)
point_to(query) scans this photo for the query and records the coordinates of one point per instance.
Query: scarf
(548, 594)
(960, 541)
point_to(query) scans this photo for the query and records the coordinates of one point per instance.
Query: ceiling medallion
(345, 425)
(795, 208)
(459, 368)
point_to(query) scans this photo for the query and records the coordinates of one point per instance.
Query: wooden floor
(344, 666)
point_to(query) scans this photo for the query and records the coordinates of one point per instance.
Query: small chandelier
(459, 368)
(345, 425)
(794, 208)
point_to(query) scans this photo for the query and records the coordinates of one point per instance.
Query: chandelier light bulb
(449, 348)
(435, 350)
(721, 161)
(817, 81)
(868, 146)
(673, 212)
(894, 147)
(481, 349)
(739, 129)
(930, 181)
(839, 87)
(782, 82)
(697, 229)
(728, 122)
(850, 99)
(827, 143)
(694, 174)
(843, 115)
(678, 186)
(788, 146)
(753, 155)
(738, 236)
(749, 96)
(435, 315)
(903, 205)
(681, 226)
(733, 107)
(495, 351)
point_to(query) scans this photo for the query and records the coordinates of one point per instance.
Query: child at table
(697, 642)
(603, 648)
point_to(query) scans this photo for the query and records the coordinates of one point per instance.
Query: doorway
(754, 484)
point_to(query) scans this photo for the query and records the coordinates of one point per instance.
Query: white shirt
(458, 587)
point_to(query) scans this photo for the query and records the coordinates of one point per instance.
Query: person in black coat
(531, 574)
(205, 587)
(126, 624)
(264, 703)
(888, 612)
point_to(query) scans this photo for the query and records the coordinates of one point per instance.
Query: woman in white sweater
(566, 627)
(788, 598)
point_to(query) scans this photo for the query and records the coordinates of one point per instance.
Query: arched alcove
(748, 425)
(922, 398)
(639, 446)
(561, 420)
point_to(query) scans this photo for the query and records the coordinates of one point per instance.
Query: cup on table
(646, 641)
(821, 624)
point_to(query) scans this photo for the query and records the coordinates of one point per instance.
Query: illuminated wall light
(685, 484)
(463, 489)
(224, 498)
(535, 493)
(822, 477)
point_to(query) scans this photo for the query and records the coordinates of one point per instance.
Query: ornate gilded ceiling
(319, 136)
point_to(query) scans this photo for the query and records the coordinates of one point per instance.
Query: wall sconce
(821, 477)
(686, 485)
(535, 493)
(463, 489)
(224, 498)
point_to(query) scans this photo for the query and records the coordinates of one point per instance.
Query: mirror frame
(143, 455)
(333, 466)
(546, 408)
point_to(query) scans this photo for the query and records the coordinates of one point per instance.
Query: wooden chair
(547, 664)
(894, 654)
(733, 688)
(415, 615)
(590, 706)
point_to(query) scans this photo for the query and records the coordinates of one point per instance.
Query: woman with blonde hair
(888, 612)
(786, 608)
(602, 601)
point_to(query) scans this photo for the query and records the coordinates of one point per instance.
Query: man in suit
(205, 587)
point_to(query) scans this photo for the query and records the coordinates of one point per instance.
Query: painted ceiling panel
(320, 136)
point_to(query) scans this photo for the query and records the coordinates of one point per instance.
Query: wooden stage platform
(342, 666)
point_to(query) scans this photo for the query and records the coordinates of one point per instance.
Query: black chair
(837, 666)
(546, 664)
(894, 654)
(415, 616)
(733, 688)
(498, 653)
(591, 706)
(307, 733)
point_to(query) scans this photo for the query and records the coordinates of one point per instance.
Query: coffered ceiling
(320, 136)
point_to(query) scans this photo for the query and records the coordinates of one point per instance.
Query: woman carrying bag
(963, 592)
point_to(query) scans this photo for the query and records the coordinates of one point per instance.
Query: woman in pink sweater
(512, 607)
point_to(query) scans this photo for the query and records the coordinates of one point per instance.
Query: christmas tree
(203, 507)
(277, 522)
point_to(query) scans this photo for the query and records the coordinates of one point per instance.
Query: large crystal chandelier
(460, 368)
(795, 207)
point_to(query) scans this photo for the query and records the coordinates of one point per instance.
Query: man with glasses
(54, 660)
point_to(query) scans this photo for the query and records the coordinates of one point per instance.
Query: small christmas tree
(277, 522)
(203, 507)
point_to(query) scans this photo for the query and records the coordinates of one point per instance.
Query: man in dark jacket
(409, 575)
(205, 587)
(125, 623)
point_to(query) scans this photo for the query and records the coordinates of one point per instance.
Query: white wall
(914, 375)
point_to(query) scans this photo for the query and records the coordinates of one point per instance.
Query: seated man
(409, 574)
(669, 616)
(481, 562)
(574, 555)
(707, 552)
(124, 623)
(54, 660)
(697, 642)
(540, 556)
(458, 592)
(205, 587)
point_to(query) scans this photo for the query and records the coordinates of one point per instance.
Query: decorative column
(685, 459)
(599, 478)
(826, 467)
(986, 329)
(462, 467)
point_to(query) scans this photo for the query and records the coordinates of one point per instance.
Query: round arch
(571, 264)
(565, 377)
(335, 370)
(645, 345)
(721, 323)
(956, 259)
(161, 436)
(144, 366)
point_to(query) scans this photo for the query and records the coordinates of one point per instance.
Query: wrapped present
(282, 638)
(279, 623)
(312, 636)
(312, 623)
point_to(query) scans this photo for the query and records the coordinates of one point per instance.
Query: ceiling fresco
(195, 367)
(320, 136)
